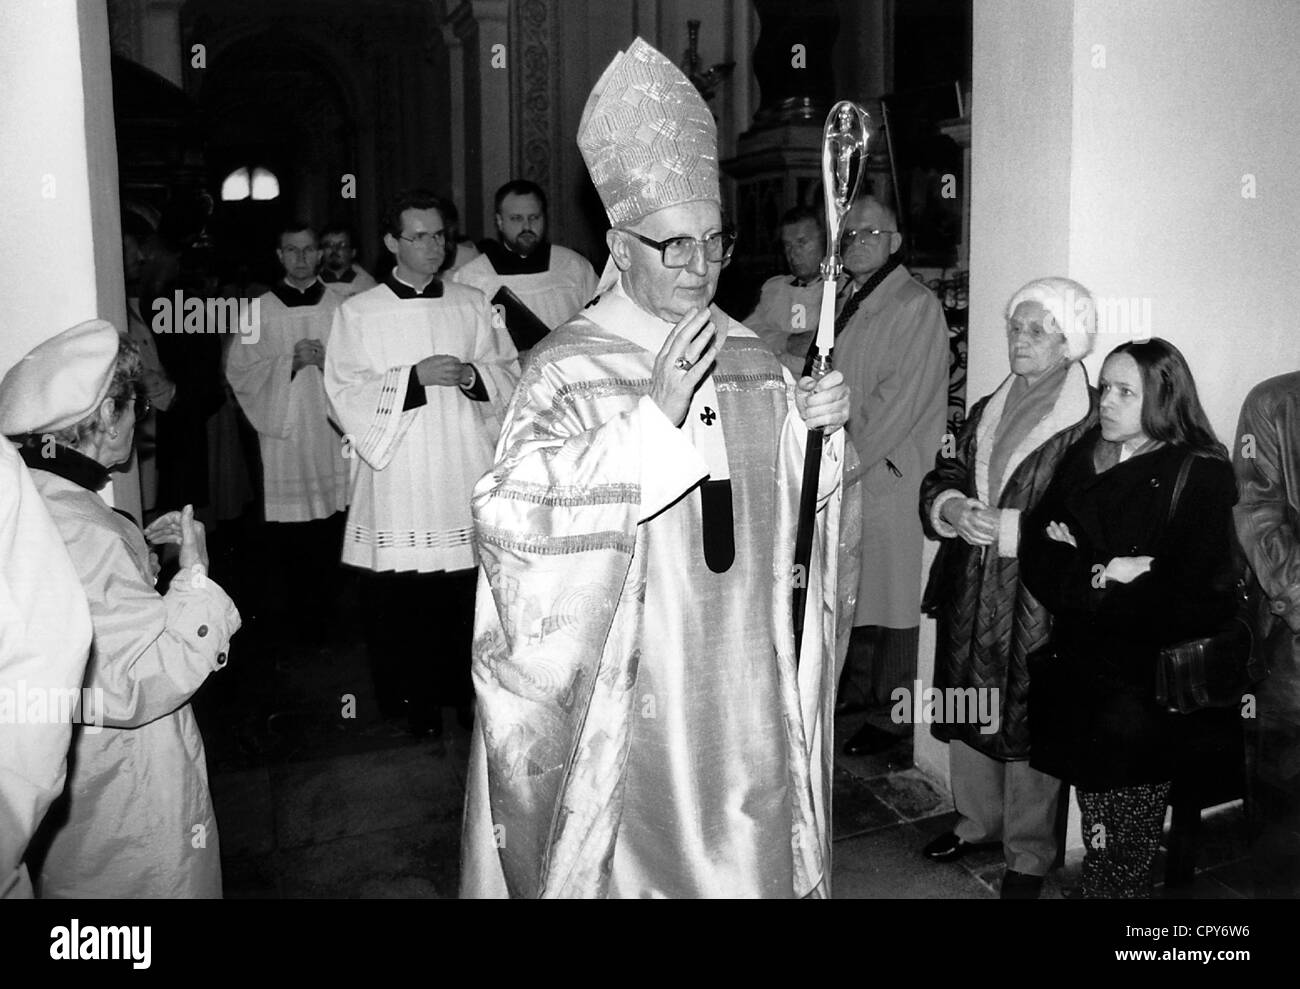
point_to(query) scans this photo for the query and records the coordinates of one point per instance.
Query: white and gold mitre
(647, 137)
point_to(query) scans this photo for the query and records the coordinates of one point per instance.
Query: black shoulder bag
(1216, 670)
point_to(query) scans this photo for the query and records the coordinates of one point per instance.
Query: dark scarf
(507, 262)
(293, 297)
(403, 291)
(853, 302)
(63, 462)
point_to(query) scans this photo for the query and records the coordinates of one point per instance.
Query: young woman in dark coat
(1122, 580)
(974, 502)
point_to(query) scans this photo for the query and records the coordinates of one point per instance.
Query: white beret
(61, 381)
(1070, 304)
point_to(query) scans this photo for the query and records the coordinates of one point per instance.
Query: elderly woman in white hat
(989, 623)
(139, 819)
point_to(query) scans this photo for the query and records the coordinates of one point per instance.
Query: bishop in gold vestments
(642, 727)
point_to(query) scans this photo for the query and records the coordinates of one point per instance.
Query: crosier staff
(844, 146)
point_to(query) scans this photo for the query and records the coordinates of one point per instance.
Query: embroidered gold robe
(642, 730)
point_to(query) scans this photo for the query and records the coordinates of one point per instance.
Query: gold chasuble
(642, 729)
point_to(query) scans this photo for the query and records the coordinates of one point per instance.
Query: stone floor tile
(413, 862)
(911, 794)
(242, 802)
(855, 809)
(249, 877)
(1236, 876)
(1203, 887)
(358, 794)
(887, 864)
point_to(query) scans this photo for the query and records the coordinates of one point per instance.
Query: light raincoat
(139, 816)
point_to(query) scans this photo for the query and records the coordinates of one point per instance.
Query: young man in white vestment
(552, 281)
(277, 378)
(418, 373)
(643, 729)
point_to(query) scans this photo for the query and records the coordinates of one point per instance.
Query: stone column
(481, 26)
(456, 125)
(534, 78)
(61, 242)
(778, 160)
(792, 61)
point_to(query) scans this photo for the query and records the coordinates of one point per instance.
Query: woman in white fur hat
(139, 819)
(989, 623)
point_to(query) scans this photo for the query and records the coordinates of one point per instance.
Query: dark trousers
(879, 660)
(419, 628)
(304, 577)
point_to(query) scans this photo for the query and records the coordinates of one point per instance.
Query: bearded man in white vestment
(552, 281)
(643, 730)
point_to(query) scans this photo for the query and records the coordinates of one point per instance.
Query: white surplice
(414, 468)
(554, 295)
(304, 474)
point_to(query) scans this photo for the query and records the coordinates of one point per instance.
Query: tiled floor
(312, 802)
(885, 812)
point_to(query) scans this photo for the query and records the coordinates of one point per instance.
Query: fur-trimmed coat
(989, 622)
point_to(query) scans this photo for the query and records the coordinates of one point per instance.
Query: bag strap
(1179, 484)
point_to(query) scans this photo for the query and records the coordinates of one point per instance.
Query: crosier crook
(844, 146)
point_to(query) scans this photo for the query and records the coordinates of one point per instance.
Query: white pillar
(60, 244)
(1151, 156)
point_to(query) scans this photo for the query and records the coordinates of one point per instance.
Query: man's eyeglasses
(678, 252)
(868, 236)
(426, 237)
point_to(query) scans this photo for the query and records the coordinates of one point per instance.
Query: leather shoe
(1020, 886)
(868, 740)
(949, 848)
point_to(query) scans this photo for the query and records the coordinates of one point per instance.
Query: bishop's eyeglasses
(678, 252)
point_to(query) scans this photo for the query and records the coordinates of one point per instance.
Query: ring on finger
(682, 364)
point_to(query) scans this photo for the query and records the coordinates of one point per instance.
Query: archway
(273, 103)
